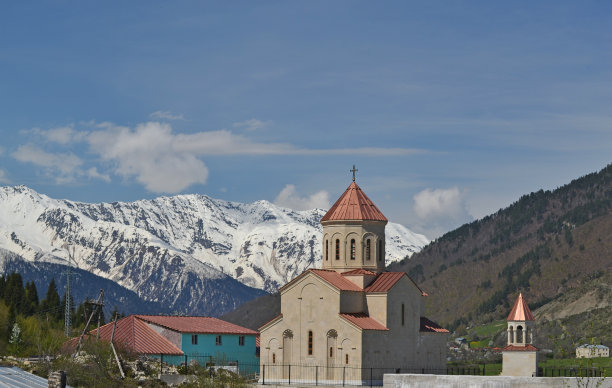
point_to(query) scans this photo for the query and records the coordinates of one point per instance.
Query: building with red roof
(182, 338)
(519, 357)
(351, 312)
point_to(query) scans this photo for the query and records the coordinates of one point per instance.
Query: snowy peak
(160, 248)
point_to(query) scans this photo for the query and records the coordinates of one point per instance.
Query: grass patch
(490, 329)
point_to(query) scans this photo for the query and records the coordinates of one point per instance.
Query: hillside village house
(350, 318)
(179, 339)
(592, 351)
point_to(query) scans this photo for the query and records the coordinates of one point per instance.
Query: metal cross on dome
(354, 170)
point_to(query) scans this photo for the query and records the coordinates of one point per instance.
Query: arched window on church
(403, 314)
(326, 249)
(368, 249)
(331, 351)
(352, 249)
(380, 250)
(346, 358)
(273, 358)
(337, 249)
(310, 342)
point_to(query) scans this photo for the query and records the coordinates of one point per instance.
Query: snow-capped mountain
(172, 249)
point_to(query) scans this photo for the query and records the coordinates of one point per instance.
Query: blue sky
(450, 110)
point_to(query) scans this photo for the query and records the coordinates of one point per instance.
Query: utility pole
(99, 303)
(68, 310)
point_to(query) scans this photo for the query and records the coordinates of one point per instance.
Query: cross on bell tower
(354, 170)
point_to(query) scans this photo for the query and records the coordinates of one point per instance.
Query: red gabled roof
(384, 282)
(134, 334)
(526, 348)
(336, 280)
(203, 325)
(359, 271)
(354, 205)
(429, 326)
(363, 321)
(520, 311)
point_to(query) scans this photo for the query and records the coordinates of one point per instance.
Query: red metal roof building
(157, 335)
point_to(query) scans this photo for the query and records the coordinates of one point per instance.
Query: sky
(449, 110)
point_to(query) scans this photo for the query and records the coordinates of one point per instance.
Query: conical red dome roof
(354, 205)
(520, 311)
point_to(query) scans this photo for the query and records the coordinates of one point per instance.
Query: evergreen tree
(51, 304)
(31, 296)
(2, 285)
(14, 293)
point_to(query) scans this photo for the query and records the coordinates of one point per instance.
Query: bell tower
(519, 357)
(354, 233)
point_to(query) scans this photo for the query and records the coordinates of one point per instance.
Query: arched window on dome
(368, 248)
(337, 249)
(353, 249)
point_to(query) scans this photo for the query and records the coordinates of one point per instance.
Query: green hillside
(544, 245)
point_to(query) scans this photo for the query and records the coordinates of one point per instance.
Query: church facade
(350, 319)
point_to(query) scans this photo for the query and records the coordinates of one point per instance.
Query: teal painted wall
(229, 351)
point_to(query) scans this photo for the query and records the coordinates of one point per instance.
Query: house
(351, 317)
(592, 351)
(180, 339)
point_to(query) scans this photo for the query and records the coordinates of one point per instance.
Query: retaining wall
(435, 381)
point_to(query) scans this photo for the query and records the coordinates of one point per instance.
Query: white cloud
(151, 153)
(160, 159)
(60, 135)
(93, 173)
(289, 197)
(3, 178)
(251, 124)
(167, 115)
(440, 210)
(439, 203)
(63, 166)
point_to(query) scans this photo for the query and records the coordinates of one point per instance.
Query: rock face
(188, 252)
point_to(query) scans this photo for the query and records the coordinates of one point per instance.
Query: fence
(342, 375)
(346, 375)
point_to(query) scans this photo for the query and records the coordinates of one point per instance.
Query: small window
(337, 249)
(368, 249)
(353, 249)
(331, 351)
(403, 311)
(241, 340)
(273, 358)
(346, 359)
(194, 339)
(310, 342)
(326, 250)
(218, 341)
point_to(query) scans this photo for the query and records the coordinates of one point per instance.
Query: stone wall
(433, 381)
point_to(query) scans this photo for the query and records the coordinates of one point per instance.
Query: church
(350, 319)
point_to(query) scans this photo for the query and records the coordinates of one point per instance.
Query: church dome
(354, 205)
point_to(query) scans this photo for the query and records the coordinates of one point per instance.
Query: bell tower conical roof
(520, 311)
(354, 205)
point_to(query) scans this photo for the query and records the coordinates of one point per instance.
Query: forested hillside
(544, 244)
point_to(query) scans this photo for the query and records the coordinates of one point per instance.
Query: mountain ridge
(169, 248)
